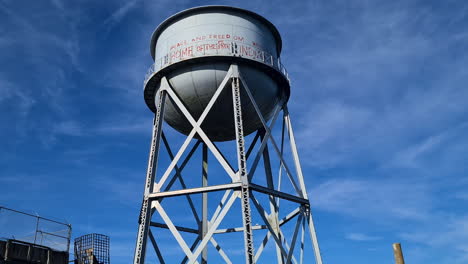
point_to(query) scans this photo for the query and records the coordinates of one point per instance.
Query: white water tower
(217, 76)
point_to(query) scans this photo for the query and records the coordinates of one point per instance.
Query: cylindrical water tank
(194, 48)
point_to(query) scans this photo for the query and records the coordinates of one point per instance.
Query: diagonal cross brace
(269, 137)
(196, 129)
(214, 225)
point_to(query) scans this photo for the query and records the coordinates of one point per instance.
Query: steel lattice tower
(258, 202)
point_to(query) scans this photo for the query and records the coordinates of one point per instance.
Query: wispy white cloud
(374, 198)
(360, 77)
(119, 14)
(40, 38)
(374, 85)
(50, 135)
(118, 189)
(368, 88)
(451, 232)
(34, 184)
(58, 4)
(75, 128)
(340, 129)
(451, 229)
(40, 78)
(119, 126)
(408, 157)
(411, 157)
(330, 131)
(70, 128)
(18, 98)
(361, 237)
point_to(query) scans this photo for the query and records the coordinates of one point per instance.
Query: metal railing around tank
(217, 49)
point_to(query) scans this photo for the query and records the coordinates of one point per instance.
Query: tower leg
(307, 211)
(145, 214)
(242, 163)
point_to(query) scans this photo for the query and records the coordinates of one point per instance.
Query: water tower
(217, 78)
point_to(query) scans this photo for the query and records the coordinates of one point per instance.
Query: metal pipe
(50, 234)
(69, 236)
(48, 219)
(37, 227)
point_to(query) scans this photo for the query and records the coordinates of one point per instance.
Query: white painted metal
(290, 216)
(193, 50)
(262, 246)
(286, 245)
(264, 143)
(182, 166)
(178, 174)
(242, 166)
(272, 140)
(293, 242)
(239, 229)
(213, 25)
(292, 140)
(301, 257)
(213, 227)
(174, 231)
(240, 185)
(145, 213)
(222, 202)
(280, 170)
(201, 133)
(273, 205)
(220, 251)
(264, 216)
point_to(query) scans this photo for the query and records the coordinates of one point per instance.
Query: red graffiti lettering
(182, 53)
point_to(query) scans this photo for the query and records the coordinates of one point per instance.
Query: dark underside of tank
(268, 88)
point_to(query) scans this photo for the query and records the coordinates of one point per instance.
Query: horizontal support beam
(279, 194)
(179, 228)
(239, 229)
(221, 187)
(214, 188)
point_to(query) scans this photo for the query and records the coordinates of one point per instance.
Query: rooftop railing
(34, 229)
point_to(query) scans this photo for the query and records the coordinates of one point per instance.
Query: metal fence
(34, 229)
(92, 249)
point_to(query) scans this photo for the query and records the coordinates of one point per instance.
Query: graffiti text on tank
(214, 44)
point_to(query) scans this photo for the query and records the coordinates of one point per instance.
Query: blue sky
(379, 102)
